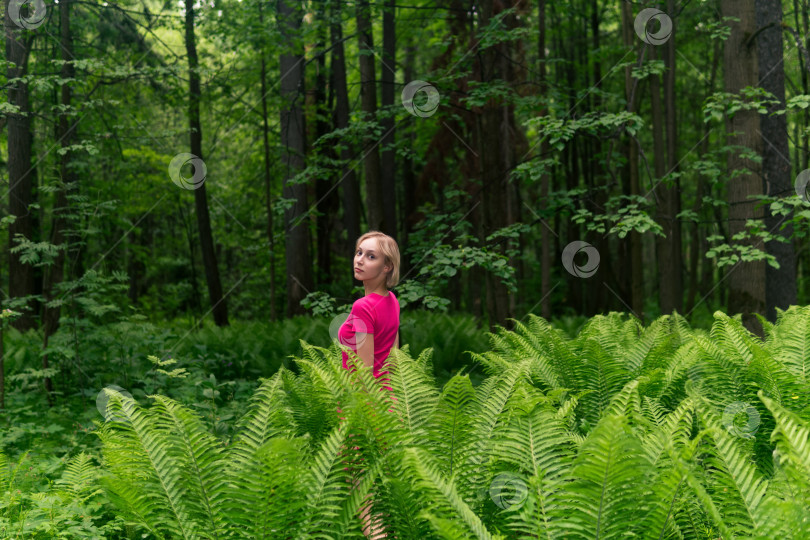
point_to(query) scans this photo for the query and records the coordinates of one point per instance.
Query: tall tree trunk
(20, 171)
(780, 284)
(291, 64)
(599, 295)
(350, 188)
(326, 196)
(268, 179)
(368, 103)
(631, 151)
(803, 141)
(670, 287)
(408, 206)
(671, 196)
(388, 164)
(545, 239)
(219, 307)
(664, 219)
(746, 280)
(494, 150)
(64, 134)
(668, 248)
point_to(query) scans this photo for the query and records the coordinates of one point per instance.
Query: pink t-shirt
(373, 314)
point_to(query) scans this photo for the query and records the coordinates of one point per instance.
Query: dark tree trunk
(325, 196)
(350, 188)
(494, 152)
(268, 180)
(388, 163)
(408, 207)
(291, 64)
(668, 248)
(803, 27)
(20, 170)
(368, 103)
(598, 293)
(746, 280)
(631, 151)
(545, 239)
(780, 284)
(662, 245)
(219, 306)
(64, 134)
(671, 196)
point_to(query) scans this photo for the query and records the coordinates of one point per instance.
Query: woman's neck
(381, 292)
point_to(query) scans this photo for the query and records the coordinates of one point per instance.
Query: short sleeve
(363, 317)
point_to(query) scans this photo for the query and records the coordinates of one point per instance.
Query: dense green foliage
(541, 133)
(221, 367)
(661, 431)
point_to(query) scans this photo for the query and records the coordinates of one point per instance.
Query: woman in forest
(372, 328)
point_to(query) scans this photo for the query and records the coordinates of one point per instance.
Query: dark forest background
(194, 161)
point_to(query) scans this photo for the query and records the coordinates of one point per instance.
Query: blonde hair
(389, 249)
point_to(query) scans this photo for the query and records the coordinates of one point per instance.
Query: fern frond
(200, 463)
(492, 363)
(538, 446)
(607, 493)
(705, 500)
(486, 410)
(5, 474)
(625, 402)
(790, 343)
(449, 428)
(325, 484)
(267, 417)
(416, 395)
(79, 477)
(139, 453)
(749, 485)
(446, 501)
(791, 432)
(723, 373)
(637, 352)
(736, 340)
(601, 373)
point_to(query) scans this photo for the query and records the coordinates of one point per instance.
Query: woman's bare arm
(365, 348)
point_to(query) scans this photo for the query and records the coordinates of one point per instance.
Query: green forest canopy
(221, 157)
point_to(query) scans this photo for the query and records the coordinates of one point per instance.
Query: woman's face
(369, 263)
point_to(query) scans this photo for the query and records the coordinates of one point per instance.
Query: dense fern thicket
(621, 431)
